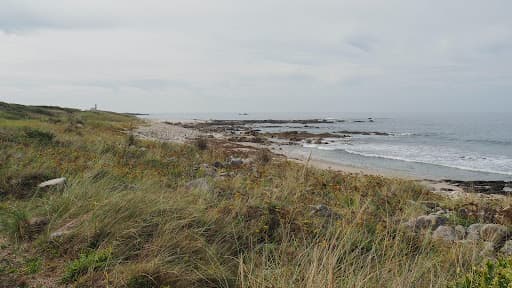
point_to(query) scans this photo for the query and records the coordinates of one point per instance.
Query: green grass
(129, 219)
(91, 261)
(494, 274)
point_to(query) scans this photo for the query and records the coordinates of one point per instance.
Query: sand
(161, 131)
(164, 131)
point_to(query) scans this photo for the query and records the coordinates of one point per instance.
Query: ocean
(456, 146)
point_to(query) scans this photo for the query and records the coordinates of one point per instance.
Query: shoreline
(188, 130)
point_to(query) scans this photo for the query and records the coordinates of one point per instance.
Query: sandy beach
(183, 131)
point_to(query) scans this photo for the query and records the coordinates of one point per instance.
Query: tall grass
(252, 228)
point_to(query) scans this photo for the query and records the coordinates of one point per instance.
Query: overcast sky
(265, 55)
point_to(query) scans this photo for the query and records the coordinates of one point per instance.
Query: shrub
(34, 265)
(42, 137)
(22, 185)
(87, 262)
(131, 141)
(494, 274)
(201, 143)
(14, 222)
(264, 156)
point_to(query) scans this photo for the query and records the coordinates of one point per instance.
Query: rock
(507, 248)
(58, 234)
(487, 250)
(494, 233)
(53, 182)
(473, 232)
(235, 162)
(218, 165)
(36, 226)
(460, 231)
(449, 233)
(198, 184)
(324, 211)
(445, 233)
(431, 222)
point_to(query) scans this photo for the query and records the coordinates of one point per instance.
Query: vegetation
(128, 215)
(494, 274)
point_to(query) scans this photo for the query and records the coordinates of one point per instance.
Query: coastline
(188, 130)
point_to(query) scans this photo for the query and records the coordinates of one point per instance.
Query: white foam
(442, 156)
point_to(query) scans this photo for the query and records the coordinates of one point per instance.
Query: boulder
(460, 231)
(507, 248)
(487, 250)
(473, 232)
(449, 233)
(444, 233)
(494, 233)
(430, 222)
(53, 182)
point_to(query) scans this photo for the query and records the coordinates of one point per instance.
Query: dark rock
(218, 165)
(36, 226)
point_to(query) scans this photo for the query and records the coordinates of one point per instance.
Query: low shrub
(87, 262)
(42, 137)
(494, 274)
(201, 143)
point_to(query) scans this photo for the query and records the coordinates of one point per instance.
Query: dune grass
(128, 216)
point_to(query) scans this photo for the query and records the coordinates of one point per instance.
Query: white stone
(53, 182)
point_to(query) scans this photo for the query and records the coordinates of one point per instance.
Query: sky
(159, 56)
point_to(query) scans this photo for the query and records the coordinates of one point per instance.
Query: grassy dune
(129, 215)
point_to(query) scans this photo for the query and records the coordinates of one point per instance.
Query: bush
(131, 140)
(14, 222)
(42, 137)
(87, 262)
(494, 274)
(201, 143)
(264, 156)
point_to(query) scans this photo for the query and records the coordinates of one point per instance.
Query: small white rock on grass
(53, 182)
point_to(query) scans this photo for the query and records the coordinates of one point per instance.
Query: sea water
(457, 146)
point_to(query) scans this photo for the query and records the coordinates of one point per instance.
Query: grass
(128, 218)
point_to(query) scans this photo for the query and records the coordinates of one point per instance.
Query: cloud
(188, 55)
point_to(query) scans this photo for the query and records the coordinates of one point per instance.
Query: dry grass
(252, 228)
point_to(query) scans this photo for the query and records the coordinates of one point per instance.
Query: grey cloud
(238, 55)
